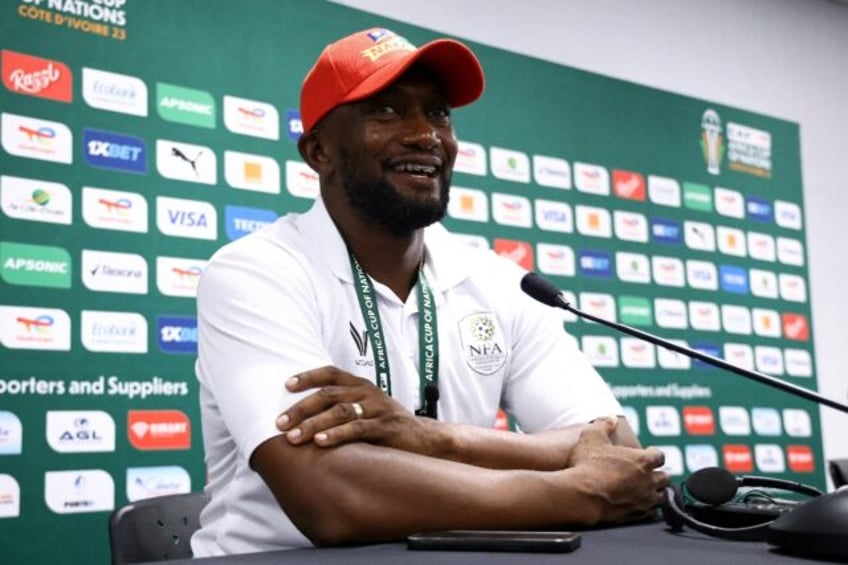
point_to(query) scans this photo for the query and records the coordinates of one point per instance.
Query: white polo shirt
(281, 301)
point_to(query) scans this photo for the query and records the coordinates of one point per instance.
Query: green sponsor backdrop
(192, 57)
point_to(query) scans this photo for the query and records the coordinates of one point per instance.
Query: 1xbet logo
(177, 334)
(117, 151)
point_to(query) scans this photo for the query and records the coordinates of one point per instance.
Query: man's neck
(388, 258)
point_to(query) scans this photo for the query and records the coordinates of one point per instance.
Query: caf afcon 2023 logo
(712, 141)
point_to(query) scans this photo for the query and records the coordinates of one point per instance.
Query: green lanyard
(428, 337)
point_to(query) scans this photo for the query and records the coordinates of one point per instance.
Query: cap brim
(457, 68)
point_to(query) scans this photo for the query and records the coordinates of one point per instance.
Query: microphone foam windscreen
(712, 485)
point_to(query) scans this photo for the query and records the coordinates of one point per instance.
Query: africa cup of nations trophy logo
(712, 142)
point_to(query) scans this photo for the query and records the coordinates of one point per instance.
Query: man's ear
(313, 153)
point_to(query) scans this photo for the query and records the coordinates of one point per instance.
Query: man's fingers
(322, 376)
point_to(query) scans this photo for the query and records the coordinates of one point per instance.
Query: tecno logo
(150, 430)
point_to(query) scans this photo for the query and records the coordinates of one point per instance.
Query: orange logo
(698, 420)
(151, 430)
(800, 458)
(34, 76)
(518, 251)
(737, 458)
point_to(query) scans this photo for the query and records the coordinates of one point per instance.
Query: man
(385, 348)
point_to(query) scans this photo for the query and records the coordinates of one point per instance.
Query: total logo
(79, 431)
(468, 204)
(36, 200)
(553, 216)
(737, 458)
(114, 210)
(35, 328)
(792, 287)
(551, 171)
(36, 139)
(470, 159)
(117, 151)
(519, 252)
(302, 181)
(729, 203)
(740, 354)
(186, 218)
(510, 165)
(630, 226)
(668, 271)
(177, 334)
(147, 482)
(555, 259)
(699, 420)
(637, 354)
(761, 246)
(153, 430)
(79, 491)
(704, 316)
(599, 305)
(178, 276)
(601, 351)
(662, 421)
(258, 119)
(10, 497)
(628, 185)
(186, 162)
(591, 179)
(511, 210)
(34, 76)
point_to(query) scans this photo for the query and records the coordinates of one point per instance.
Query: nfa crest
(482, 343)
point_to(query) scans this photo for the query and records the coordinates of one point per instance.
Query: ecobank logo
(113, 332)
(35, 265)
(116, 151)
(35, 328)
(32, 138)
(185, 105)
(34, 76)
(36, 200)
(114, 92)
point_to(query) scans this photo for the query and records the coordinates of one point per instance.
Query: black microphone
(547, 293)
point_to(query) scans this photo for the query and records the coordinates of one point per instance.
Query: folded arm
(364, 493)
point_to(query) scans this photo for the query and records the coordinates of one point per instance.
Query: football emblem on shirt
(482, 342)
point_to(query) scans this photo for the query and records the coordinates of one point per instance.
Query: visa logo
(188, 219)
(177, 334)
(595, 263)
(107, 150)
(666, 231)
(759, 209)
(733, 279)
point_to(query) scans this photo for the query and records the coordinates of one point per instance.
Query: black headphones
(708, 489)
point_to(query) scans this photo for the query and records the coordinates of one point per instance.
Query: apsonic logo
(185, 105)
(35, 265)
(116, 151)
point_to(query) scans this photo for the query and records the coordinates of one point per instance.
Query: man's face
(397, 150)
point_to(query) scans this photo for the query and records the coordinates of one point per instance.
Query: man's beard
(378, 201)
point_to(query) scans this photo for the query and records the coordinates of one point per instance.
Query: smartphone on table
(496, 540)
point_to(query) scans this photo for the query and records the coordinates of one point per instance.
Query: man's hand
(329, 418)
(622, 483)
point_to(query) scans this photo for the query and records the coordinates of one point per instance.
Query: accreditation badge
(482, 342)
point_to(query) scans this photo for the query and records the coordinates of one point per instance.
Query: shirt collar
(447, 263)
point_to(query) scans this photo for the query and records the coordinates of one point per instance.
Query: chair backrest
(155, 529)
(838, 472)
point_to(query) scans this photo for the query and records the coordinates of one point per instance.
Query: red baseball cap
(362, 64)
